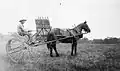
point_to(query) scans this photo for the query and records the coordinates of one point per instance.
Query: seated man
(20, 29)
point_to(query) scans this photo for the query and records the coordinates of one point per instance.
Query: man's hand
(29, 30)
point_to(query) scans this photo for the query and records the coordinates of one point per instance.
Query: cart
(19, 49)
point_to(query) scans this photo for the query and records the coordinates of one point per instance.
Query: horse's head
(83, 26)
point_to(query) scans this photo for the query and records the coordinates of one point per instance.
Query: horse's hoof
(76, 54)
(51, 55)
(57, 55)
(72, 55)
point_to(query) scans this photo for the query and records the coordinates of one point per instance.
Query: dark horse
(56, 34)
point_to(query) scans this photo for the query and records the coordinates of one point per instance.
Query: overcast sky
(103, 16)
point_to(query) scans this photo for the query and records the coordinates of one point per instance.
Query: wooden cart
(18, 48)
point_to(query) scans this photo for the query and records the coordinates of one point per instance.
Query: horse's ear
(85, 22)
(74, 25)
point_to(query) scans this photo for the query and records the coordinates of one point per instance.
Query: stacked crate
(42, 27)
(42, 24)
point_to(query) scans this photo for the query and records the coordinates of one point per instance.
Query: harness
(71, 33)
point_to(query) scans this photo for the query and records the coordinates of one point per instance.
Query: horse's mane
(79, 25)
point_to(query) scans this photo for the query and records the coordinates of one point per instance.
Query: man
(21, 31)
(20, 28)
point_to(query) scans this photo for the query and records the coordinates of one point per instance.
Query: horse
(57, 34)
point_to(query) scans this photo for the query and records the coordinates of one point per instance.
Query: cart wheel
(34, 54)
(19, 51)
(15, 49)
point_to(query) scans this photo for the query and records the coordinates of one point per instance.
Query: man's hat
(22, 20)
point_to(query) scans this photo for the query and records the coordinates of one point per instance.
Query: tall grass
(90, 57)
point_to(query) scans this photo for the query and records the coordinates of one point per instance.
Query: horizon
(102, 16)
(8, 35)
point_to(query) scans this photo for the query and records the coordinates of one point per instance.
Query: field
(90, 57)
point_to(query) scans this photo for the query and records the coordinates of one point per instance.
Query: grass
(90, 57)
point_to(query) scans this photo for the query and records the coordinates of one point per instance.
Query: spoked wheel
(19, 51)
(15, 49)
(34, 54)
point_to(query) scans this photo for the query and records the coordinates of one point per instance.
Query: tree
(111, 40)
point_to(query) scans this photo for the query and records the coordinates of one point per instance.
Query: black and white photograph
(59, 35)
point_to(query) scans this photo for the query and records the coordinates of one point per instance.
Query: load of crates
(42, 23)
(42, 28)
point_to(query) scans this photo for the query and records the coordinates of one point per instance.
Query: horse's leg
(51, 52)
(72, 48)
(57, 54)
(50, 48)
(75, 46)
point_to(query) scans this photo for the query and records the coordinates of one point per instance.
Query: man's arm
(22, 30)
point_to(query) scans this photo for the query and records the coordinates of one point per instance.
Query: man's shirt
(20, 28)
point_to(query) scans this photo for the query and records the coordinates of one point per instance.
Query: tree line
(107, 40)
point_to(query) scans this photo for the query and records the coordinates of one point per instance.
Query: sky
(102, 16)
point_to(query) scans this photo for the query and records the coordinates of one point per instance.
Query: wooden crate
(42, 23)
